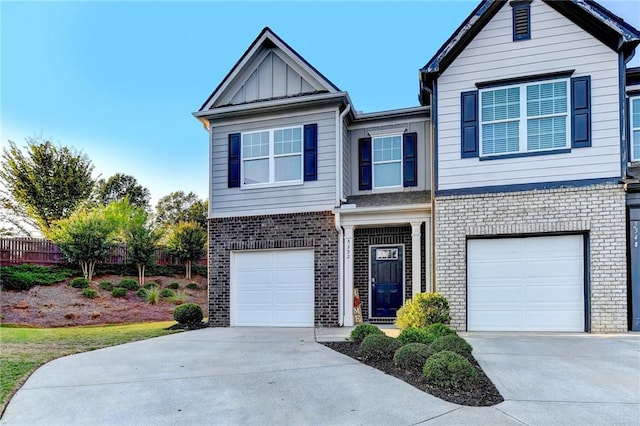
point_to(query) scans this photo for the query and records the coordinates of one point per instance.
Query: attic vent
(521, 20)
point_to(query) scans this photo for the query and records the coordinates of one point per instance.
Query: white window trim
(374, 163)
(522, 119)
(635, 157)
(272, 160)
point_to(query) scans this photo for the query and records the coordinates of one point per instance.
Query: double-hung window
(524, 118)
(387, 161)
(272, 156)
(635, 128)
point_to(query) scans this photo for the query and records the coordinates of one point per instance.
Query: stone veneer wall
(297, 230)
(597, 209)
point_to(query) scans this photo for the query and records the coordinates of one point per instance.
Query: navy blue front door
(386, 281)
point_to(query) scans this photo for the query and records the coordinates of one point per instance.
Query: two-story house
(523, 134)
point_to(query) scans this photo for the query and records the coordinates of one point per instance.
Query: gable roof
(267, 47)
(603, 24)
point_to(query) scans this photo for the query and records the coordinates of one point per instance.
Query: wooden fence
(39, 251)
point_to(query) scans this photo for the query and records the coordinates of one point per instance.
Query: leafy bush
(188, 314)
(193, 286)
(449, 370)
(129, 269)
(23, 277)
(412, 356)
(363, 330)
(141, 293)
(415, 335)
(150, 284)
(379, 346)
(129, 284)
(424, 309)
(439, 330)
(173, 286)
(106, 285)
(453, 343)
(166, 293)
(89, 293)
(79, 283)
(119, 292)
(179, 298)
(152, 295)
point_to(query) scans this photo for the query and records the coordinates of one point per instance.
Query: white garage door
(526, 284)
(272, 288)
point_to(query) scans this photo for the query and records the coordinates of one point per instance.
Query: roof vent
(521, 20)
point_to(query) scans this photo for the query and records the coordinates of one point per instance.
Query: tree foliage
(179, 207)
(142, 239)
(187, 241)
(47, 182)
(120, 186)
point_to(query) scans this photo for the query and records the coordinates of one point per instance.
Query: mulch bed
(485, 394)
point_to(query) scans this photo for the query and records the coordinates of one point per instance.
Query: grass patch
(25, 349)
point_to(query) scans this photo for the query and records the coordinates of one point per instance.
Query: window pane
(288, 168)
(500, 138)
(636, 145)
(255, 144)
(547, 133)
(387, 174)
(287, 141)
(547, 98)
(500, 104)
(387, 149)
(636, 113)
(256, 171)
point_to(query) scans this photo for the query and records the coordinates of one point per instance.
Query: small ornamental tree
(142, 241)
(187, 242)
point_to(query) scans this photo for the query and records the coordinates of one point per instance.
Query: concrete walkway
(265, 376)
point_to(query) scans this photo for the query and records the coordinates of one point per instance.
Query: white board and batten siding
(556, 45)
(316, 195)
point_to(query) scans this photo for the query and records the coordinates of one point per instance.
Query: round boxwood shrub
(106, 285)
(361, 331)
(422, 310)
(129, 284)
(188, 313)
(439, 330)
(412, 356)
(89, 293)
(173, 286)
(449, 370)
(119, 292)
(141, 293)
(453, 343)
(79, 283)
(379, 346)
(166, 293)
(193, 286)
(151, 284)
(415, 335)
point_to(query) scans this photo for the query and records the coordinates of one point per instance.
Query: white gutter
(339, 199)
(340, 270)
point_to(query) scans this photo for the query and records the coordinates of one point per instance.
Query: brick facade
(597, 210)
(297, 230)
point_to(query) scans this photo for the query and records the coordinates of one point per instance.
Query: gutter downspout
(339, 199)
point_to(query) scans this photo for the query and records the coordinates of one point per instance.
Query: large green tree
(142, 240)
(120, 186)
(47, 181)
(187, 241)
(180, 207)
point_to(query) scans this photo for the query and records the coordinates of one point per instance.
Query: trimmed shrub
(89, 293)
(439, 330)
(412, 356)
(129, 284)
(424, 309)
(79, 283)
(453, 343)
(363, 330)
(449, 370)
(106, 285)
(166, 293)
(193, 286)
(141, 293)
(119, 292)
(379, 346)
(23, 277)
(173, 286)
(415, 335)
(151, 284)
(189, 313)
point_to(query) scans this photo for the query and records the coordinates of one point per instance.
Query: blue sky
(119, 80)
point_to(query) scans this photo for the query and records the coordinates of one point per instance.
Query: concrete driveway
(281, 376)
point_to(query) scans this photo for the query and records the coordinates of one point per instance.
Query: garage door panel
(490, 295)
(255, 297)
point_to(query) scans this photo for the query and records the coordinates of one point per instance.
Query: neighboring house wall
(556, 45)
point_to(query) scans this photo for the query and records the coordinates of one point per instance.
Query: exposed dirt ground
(61, 305)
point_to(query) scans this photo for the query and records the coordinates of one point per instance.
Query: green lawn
(23, 350)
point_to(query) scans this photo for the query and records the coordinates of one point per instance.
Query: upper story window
(387, 161)
(521, 20)
(272, 156)
(635, 128)
(524, 118)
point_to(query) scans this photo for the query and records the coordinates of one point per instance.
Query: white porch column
(348, 276)
(416, 282)
(427, 254)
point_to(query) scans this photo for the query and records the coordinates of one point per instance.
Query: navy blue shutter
(410, 159)
(581, 112)
(364, 163)
(234, 160)
(469, 124)
(310, 152)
